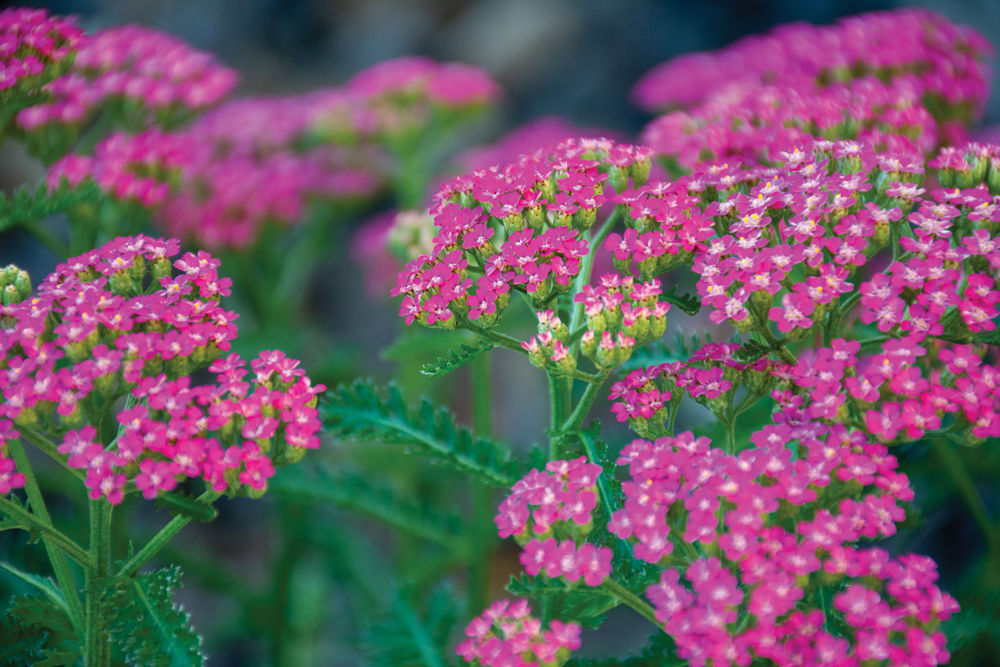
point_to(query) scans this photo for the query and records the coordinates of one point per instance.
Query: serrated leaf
(361, 412)
(22, 644)
(28, 204)
(580, 604)
(62, 646)
(351, 490)
(43, 584)
(456, 358)
(689, 303)
(147, 625)
(751, 351)
(405, 636)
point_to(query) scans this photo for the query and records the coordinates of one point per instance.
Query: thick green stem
(158, 541)
(97, 648)
(560, 388)
(575, 420)
(730, 423)
(632, 600)
(583, 278)
(482, 505)
(55, 552)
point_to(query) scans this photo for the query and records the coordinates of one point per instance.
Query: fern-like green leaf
(43, 584)
(689, 303)
(751, 351)
(61, 645)
(147, 625)
(361, 411)
(22, 643)
(351, 490)
(407, 637)
(463, 355)
(579, 604)
(27, 204)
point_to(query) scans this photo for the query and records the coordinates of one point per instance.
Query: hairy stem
(632, 600)
(97, 648)
(158, 541)
(55, 552)
(482, 505)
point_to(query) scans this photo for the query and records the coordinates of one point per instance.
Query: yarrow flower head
(899, 80)
(515, 227)
(125, 320)
(35, 47)
(147, 77)
(763, 537)
(506, 634)
(557, 503)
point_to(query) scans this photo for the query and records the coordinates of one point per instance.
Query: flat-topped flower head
(506, 634)
(221, 180)
(758, 537)
(149, 77)
(35, 47)
(126, 321)
(514, 227)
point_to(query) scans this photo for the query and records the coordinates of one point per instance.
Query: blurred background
(574, 58)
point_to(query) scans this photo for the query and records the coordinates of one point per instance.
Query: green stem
(967, 489)
(576, 419)
(559, 403)
(57, 556)
(730, 424)
(602, 480)
(500, 339)
(778, 345)
(48, 447)
(97, 648)
(482, 505)
(583, 278)
(158, 541)
(632, 600)
(47, 530)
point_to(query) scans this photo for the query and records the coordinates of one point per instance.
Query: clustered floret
(765, 541)
(145, 74)
(117, 322)
(900, 81)
(558, 503)
(514, 227)
(506, 635)
(34, 46)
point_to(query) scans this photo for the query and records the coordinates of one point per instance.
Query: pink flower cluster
(31, 43)
(646, 397)
(765, 538)
(415, 78)
(948, 60)
(223, 178)
(749, 122)
(899, 81)
(620, 315)
(117, 322)
(559, 502)
(900, 393)
(388, 240)
(514, 227)
(148, 73)
(506, 635)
